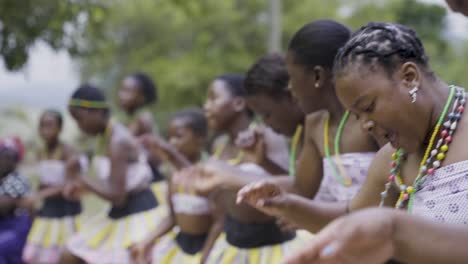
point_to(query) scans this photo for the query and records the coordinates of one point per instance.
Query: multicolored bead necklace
(341, 177)
(432, 158)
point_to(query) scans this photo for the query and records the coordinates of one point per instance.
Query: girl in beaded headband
(122, 180)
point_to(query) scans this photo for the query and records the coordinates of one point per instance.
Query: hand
(364, 237)
(30, 203)
(74, 189)
(156, 145)
(265, 196)
(140, 252)
(286, 225)
(252, 142)
(203, 178)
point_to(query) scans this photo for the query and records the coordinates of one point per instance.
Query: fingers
(250, 191)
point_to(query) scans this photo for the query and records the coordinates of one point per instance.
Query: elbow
(118, 199)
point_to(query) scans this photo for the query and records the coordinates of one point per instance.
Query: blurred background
(48, 47)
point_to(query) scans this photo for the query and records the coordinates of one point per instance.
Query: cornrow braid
(387, 44)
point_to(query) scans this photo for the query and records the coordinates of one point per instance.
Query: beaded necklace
(293, 150)
(240, 156)
(432, 157)
(343, 176)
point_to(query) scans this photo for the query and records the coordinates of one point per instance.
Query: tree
(185, 44)
(57, 22)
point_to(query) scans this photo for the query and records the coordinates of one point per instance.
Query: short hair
(268, 76)
(196, 120)
(147, 86)
(56, 114)
(318, 42)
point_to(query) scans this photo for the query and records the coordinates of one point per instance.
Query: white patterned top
(444, 196)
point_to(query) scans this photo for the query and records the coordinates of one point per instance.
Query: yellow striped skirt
(106, 240)
(225, 253)
(47, 238)
(160, 190)
(168, 251)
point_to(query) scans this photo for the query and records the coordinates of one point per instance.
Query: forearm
(103, 190)
(177, 159)
(419, 240)
(163, 227)
(234, 179)
(312, 215)
(7, 203)
(272, 167)
(213, 234)
(49, 191)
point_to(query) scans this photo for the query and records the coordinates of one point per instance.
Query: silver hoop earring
(414, 94)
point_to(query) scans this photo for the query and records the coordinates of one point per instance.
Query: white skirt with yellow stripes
(47, 238)
(167, 251)
(160, 191)
(106, 241)
(225, 253)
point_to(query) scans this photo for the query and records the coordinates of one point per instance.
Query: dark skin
(227, 113)
(314, 90)
(131, 98)
(184, 144)
(7, 166)
(393, 234)
(49, 131)
(123, 149)
(281, 113)
(385, 108)
(460, 6)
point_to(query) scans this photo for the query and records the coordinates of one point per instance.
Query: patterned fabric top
(14, 186)
(444, 196)
(356, 166)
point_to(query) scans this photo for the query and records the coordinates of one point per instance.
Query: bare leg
(68, 258)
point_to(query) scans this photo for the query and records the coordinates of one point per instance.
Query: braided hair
(386, 44)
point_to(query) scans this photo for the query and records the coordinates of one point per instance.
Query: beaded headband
(88, 104)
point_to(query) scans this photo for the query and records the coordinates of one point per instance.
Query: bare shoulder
(68, 151)
(122, 138)
(314, 123)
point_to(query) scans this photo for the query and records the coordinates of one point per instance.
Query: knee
(68, 258)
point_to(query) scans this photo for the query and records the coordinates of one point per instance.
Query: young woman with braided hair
(383, 76)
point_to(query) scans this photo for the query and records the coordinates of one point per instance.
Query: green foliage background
(184, 44)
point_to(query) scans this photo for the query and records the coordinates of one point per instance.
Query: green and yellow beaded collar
(88, 104)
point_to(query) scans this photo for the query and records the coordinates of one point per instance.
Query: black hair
(268, 76)
(89, 92)
(147, 86)
(387, 44)
(56, 114)
(318, 42)
(196, 120)
(235, 85)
